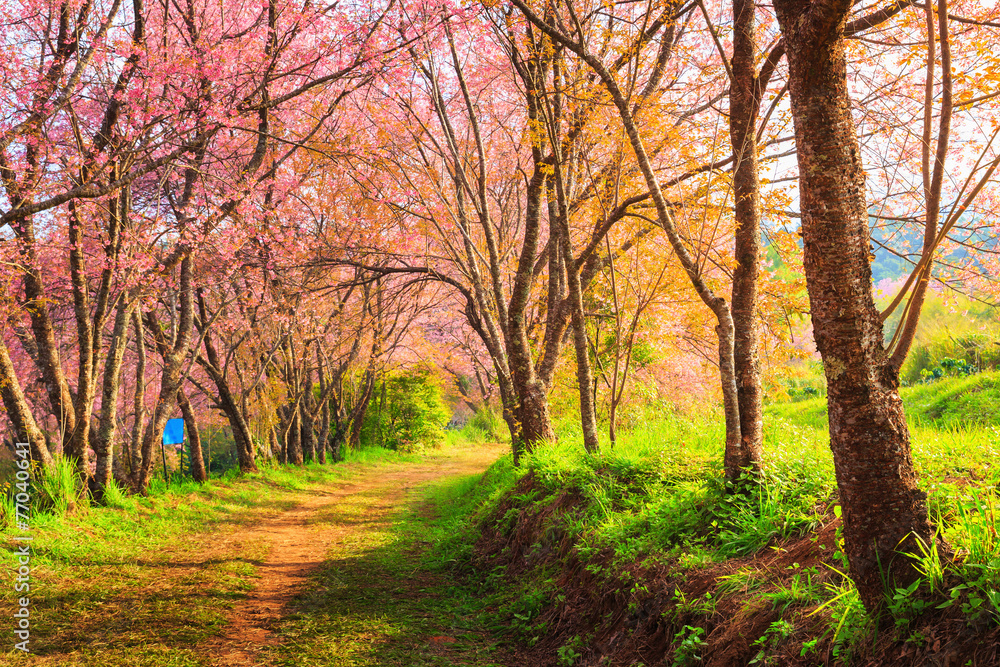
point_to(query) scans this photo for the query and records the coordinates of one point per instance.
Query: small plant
(114, 495)
(948, 367)
(695, 557)
(849, 621)
(838, 539)
(689, 646)
(776, 633)
(801, 590)
(928, 563)
(569, 653)
(701, 606)
(637, 590)
(742, 581)
(8, 507)
(809, 646)
(928, 375)
(906, 604)
(525, 608)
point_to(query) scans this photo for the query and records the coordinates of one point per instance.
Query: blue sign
(173, 432)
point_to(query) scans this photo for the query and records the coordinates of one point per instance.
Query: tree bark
(47, 359)
(195, 455)
(323, 439)
(108, 429)
(283, 420)
(337, 444)
(584, 376)
(172, 375)
(324, 425)
(744, 107)
(211, 363)
(884, 511)
(275, 445)
(381, 407)
(294, 439)
(139, 406)
(19, 411)
(77, 446)
(237, 422)
(307, 435)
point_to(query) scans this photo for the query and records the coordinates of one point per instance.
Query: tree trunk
(509, 411)
(172, 374)
(337, 445)
(529, 418)
(584, 377)
(324, 424)
(108, 430)
(170, 380)
(195, 454)
(275, 445)
(307, 437)
(49, 365)
(308, 414)
(294, 439)
(227, 401)
(725, 332)
(322, 440)
(744, 105)
(323, 443)
(534, 420)
(139, 407)
(19, 411)
(283, 419)
(360, 410)
(884, 511)
(78, 445)
(238, 425)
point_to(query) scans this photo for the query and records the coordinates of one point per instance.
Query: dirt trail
(299, 543)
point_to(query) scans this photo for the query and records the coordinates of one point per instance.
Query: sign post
(173, 434)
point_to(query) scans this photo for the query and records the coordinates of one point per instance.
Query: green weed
(57, 488)
(689, 643)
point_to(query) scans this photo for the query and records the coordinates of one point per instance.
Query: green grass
(143, 580)
(382, 598)
(948, 403)
(956, 402)
(658, 497)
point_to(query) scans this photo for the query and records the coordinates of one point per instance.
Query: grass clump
(57, 489)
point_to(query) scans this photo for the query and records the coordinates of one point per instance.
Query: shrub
(486, 425)
(412, 413)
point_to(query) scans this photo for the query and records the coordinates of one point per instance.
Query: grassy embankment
(638, 555)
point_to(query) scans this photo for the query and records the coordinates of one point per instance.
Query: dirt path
(301, 538)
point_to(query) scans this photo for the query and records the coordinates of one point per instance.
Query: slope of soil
(768, 608)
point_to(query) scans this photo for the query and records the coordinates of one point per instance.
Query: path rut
(299, 544)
